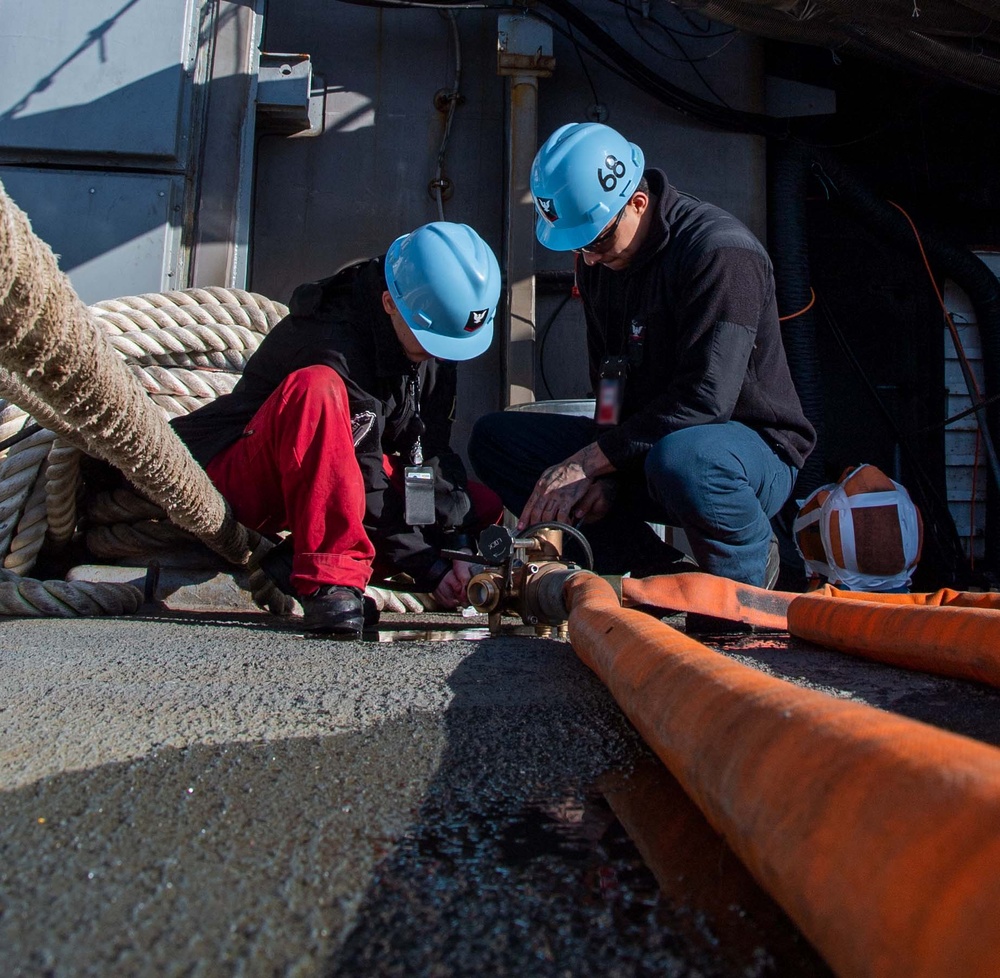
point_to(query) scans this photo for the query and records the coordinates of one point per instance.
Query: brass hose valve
(525, 575)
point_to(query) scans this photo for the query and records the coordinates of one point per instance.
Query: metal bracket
(524, 46)
(285, 100)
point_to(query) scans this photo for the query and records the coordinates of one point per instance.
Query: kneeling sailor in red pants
(339, 429)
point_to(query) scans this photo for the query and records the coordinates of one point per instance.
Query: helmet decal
(615, 171)
(547, 207)
(476, 319)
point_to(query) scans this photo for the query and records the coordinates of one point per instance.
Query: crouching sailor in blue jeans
(697, 422)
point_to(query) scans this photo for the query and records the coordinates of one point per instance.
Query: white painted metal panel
(105, 77)
(114, 233)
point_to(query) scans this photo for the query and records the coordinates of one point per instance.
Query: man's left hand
(561, 487)
(451, 592)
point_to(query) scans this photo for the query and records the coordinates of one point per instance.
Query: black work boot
(335, 610)
(277, 567)
(773, 568)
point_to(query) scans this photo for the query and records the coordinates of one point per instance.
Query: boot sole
(343, 634)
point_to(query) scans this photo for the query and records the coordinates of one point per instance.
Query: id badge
(418, 495)
(609, 401)
(610, 390)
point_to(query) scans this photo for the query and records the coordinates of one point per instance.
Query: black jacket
(695, 314)
(340, 322)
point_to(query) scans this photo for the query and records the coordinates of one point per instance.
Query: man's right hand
(596, 502)
(562, 488)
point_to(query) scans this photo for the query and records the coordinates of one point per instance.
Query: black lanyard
(413, 388)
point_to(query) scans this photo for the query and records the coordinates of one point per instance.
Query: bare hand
(557, 491)
(561, 489)
(596, 502)
(451, 592)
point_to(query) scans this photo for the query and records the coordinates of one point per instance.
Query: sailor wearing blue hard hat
(338, 432)
(697, 423)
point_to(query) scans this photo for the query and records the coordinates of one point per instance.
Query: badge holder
(418, 493)
(418, 490)
(610, 391)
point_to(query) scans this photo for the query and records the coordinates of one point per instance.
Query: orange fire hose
(709, 595)
(719, 596)
(951, 633)
(945, 598)
(877, 834)
(952, 640)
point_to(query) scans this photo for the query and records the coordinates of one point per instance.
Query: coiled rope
(103, 381)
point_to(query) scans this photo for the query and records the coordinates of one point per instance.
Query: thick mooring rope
(74, 369)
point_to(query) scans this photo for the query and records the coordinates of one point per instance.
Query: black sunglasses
(603, 241)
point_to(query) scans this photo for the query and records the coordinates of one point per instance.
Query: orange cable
(975, 394)
(803, 310)
(952, 328)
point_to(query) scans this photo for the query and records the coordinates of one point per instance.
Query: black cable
(620, 62)
(566, 528)
(673, 33)
(602, 60)
(657, 86)
(431, 4)
(544, 331)
(685, 57)
(639, 74)
(583, 65)
(687, 15)
(26, 432)
(590, 52)
(938, 425)
(701, 35)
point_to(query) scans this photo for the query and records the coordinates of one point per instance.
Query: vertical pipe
(221, 224)
(519, 354)
(524, 54)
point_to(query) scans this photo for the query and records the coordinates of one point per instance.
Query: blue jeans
(720, 483)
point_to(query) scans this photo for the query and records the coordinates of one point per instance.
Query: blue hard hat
(581, 178)
(445, 281)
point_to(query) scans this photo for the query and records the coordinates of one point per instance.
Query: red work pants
(295, 469)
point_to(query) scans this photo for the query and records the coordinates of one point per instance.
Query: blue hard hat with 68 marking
(581, 178)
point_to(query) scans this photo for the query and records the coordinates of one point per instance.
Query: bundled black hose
(654, 84)
(626, 64)
(788, 174)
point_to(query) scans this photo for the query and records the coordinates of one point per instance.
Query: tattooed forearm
(593, 461)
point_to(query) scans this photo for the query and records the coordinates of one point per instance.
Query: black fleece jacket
(340, 322)
(695, 313)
